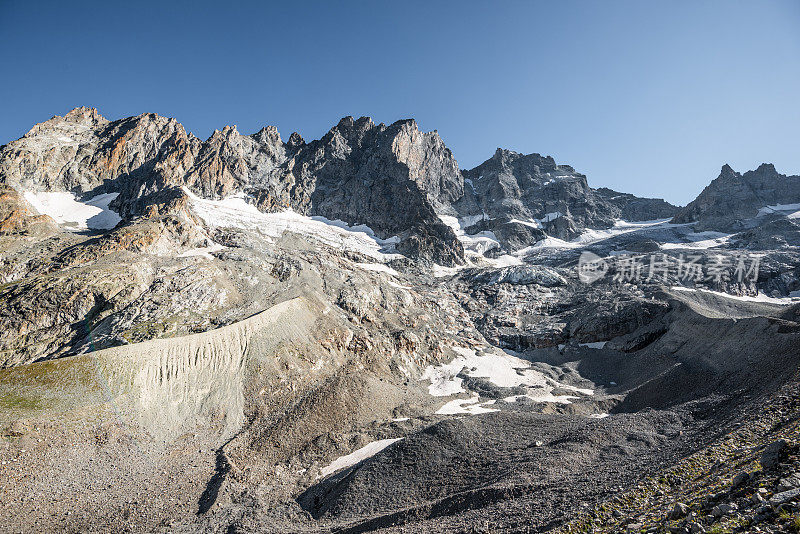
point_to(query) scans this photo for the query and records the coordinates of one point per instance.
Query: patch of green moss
(12, 401)
(794, 525)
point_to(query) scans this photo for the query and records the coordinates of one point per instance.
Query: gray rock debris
(772, 453)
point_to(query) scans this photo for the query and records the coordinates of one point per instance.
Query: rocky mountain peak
(732, 201)
(727, 170)
(516, 162)
(84, 114)
(431, 164)
(767, 168)
(268, 135)
(295, 140)
(75, 121)
(522, 197)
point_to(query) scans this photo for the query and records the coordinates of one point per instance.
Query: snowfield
(783, 301)
(68, 211)
(500, 368)
(378, 268)
(792, 211)
(700, 240)
(236, 212)
(670, 236)
(479, 243)
(204, 252)
(590, 236)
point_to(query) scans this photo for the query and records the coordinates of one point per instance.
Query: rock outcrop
(521, 197)
(633, 208)
(392, 178)
(18, 218)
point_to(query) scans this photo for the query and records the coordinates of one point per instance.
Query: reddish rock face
(17, 217)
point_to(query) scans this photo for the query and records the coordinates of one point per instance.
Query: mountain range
(352, 334)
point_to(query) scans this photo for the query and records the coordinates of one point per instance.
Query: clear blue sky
(645, 97)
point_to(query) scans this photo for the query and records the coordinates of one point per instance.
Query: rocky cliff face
(514, 193)
(733, 200)
(633, 208)
(17, 217)
(392, 179)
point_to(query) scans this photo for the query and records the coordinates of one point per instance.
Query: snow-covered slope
(68, 211)
(236, 212)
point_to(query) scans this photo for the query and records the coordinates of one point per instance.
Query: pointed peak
(271, 130)
(83, 113)
(295, 140)
(406, 123)
(365, 121)
(502, 153)
(226, 132)
(346, 122)
(268, 134)
(727, 170)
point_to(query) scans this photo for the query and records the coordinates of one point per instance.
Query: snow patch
(533, 223)
(538, 223)
(549, 217)
(349, 460)
(478, 243)
(440, 271)
(67, 210)
(784, 301)
(791, 210)
(620, 227)
(542, 397)
(700, 240)
(469, 406)
(506, 260)
(236, 212)
(204, 252)
(500, 368)
(693, 240)
(378, 268)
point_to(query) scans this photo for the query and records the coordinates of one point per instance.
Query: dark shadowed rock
(772, 453)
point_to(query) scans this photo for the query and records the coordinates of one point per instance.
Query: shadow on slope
(467, 463)
(718, 346)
